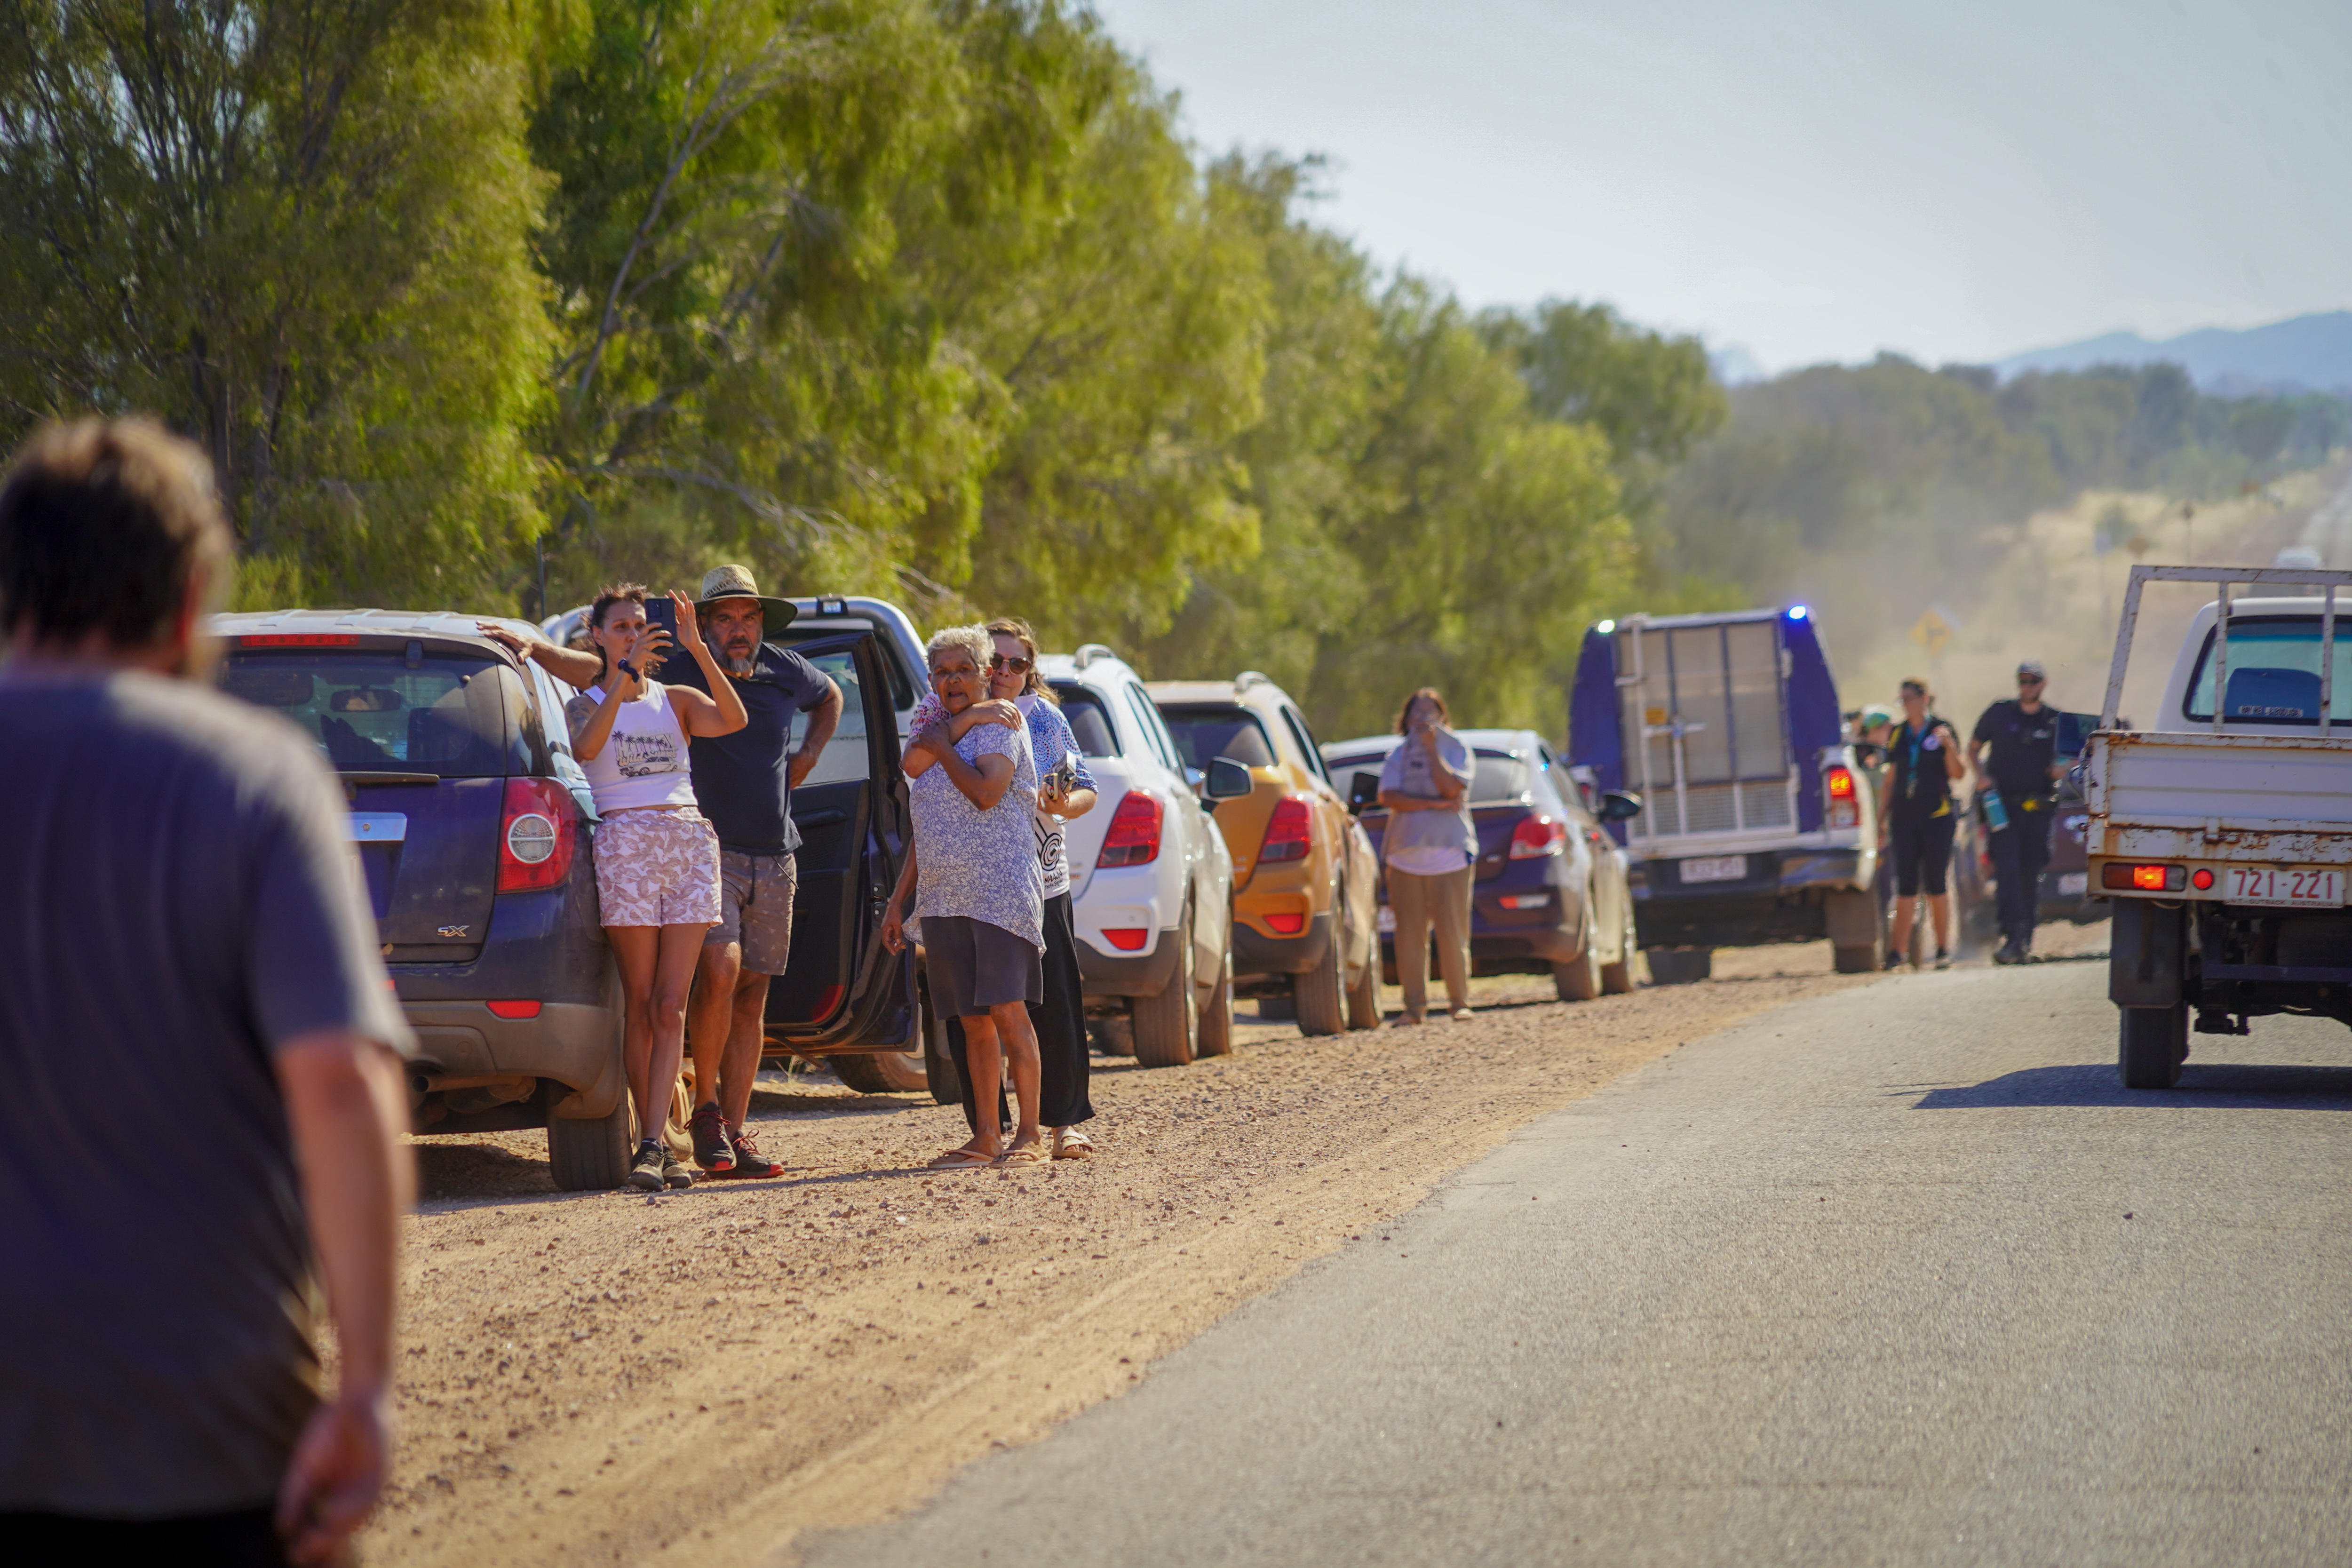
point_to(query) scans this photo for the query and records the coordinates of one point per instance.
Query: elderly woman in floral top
(1020, 696)
(979, 897)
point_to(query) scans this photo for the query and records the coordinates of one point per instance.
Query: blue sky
(1812, 181)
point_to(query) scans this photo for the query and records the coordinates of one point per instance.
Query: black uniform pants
(1060, 1021)
(2020, 851)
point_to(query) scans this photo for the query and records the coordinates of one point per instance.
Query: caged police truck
(1758, 825)
(2222, 833)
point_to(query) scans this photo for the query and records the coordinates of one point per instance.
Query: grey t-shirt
(179, 901)
(980, 862)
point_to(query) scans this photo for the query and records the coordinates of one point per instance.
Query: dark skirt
(1060, 1021)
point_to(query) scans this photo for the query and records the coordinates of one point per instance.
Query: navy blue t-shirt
(740, 781)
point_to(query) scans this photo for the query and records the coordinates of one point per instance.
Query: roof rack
(1090, 652)
(1249, 678)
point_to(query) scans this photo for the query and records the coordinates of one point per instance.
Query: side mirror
(1226, 780)
(1364, 793)
(1617, 805)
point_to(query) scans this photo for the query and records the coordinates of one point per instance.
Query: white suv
(1150, 879)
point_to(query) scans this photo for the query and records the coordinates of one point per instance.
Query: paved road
(1894, 1275)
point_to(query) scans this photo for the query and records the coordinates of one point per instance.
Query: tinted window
(372, 712)
(1499, 779)
(1342, 770)
(846, 757)
(1089, 722)
(1149, 718)
(903, 695)
(2273, 674)
(1204, 733)
(1306, 739)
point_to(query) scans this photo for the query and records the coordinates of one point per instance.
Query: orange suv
(1306, 882)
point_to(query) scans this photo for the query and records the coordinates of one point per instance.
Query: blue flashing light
(1796, 612)
(1605, 627)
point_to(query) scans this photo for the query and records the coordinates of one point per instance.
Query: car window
(1089, 721)
(903, 695)
(1149, 718)
(1342, 770)
(2273, 674)
(1210, 731)
(847, 757)
(1500, 778)
(1306, 739)
(372, 712)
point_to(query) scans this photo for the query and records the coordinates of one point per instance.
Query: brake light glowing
(298, 639)
(512, 1009)
(1845, 810)
(1133, 837)
(1289, 833)
(537, 840)
(1126, 938)
(1537, 836)
(2144, 878)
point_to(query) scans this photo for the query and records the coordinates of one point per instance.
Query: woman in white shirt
(656, 857)
(1429, 848)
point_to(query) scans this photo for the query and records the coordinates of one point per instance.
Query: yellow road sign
(1932, 633)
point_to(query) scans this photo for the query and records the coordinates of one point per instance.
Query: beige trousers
(1418, 901)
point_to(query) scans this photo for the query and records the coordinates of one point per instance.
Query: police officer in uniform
(2022, 767)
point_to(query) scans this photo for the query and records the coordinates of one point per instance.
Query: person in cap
(2014, 750)
(743, 782)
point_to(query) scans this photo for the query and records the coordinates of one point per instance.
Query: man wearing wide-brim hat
(743, 782)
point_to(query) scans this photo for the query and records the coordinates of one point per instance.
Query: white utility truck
(2222, 833)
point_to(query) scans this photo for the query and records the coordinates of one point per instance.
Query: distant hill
(2308, 354)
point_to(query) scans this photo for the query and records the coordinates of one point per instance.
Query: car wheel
(1680, 965)
(1317, 994)
(1168, 1026)
(586, 1155)
(677, 1131)
(2155, 1041)
(880, 1072)
(1617, 978)
(1217, 1011)
(1364, 999)
(1578, 980)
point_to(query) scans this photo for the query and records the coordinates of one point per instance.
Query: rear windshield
(2274, 675)
(1499, 779)
(374, 712)
(1089, 722)
(1207, 732)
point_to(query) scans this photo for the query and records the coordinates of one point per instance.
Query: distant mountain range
(2308, 354)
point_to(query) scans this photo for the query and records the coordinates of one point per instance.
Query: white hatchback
(1150, 879)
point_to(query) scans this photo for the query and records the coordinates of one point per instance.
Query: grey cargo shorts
(755, 908)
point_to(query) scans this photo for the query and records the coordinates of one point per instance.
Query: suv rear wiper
(372, 778)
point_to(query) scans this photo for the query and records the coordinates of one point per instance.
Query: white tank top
(644, 760)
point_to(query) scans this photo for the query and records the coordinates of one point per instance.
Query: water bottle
(1996, 813)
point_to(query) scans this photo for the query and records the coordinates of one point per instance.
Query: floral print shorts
(658, 866)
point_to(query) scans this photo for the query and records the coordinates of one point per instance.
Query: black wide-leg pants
(1060, 1021)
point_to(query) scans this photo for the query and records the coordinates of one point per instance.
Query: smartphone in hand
(661, 614)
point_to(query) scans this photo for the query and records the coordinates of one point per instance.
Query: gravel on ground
(607, 1377)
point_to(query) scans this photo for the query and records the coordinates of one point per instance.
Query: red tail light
(1126, 938)
(1846, 809)
(1133, 839)
(541, 831)
(2145, 879)
(1288, 835)
(1537, 836)
(512, 1009)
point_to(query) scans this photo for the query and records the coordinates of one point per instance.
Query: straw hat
(737, 582)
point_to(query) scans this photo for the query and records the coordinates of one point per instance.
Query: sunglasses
(1019, 666)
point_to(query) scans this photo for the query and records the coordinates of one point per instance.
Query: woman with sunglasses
(979, 895)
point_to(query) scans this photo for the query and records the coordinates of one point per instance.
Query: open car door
(840, 988)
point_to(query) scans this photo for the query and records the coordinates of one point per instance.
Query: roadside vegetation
(478, 305)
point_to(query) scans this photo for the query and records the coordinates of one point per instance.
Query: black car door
(839, 984)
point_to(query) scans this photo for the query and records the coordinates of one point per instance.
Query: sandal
(1027, 1155)
(961, 1160)
(1069, 1144)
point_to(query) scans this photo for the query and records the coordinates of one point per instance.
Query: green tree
(297, 232)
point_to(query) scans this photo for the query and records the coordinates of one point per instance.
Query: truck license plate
(1716, 869)
(2296, 887)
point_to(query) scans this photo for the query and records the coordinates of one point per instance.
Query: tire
(2154, 1043)
(1277, 1009)
(1316, 995)
(1617, 979)
(1859, 957)
(1113, 1036)
(1168, 1026)
(589, 1156)
(1680, 965)
(880, 1072)
(1578, 980)
(1364, 1000)
(1217, 1011)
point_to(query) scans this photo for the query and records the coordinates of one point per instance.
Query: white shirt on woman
(644, 760)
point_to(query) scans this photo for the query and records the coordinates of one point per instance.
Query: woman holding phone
(656, 857)
(1429, 849)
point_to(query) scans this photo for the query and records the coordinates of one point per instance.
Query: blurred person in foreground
(192, 985)
(1429, 849)
(979, 895)
(2022, 770)
(1018, 695)
(1915, 817)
